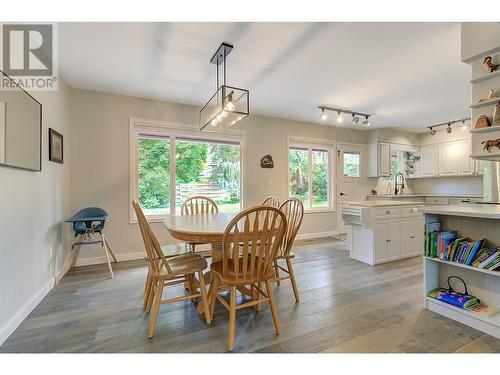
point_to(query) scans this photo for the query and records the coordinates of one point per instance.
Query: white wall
(100, 166)
(33, 205)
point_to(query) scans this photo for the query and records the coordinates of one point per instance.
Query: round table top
(203, 228)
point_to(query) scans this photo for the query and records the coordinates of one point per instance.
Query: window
(352, 164)
(309, 171)
(170, 165)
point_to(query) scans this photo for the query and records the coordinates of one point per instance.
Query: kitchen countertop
(484, 211)
(381, 203)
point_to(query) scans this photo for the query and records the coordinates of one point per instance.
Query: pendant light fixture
(229, 104)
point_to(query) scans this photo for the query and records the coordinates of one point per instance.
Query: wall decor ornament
(489, 65)
(482, 122)
(491, 143)
(496, 115)
(267, 162)
(56, 153)
(490, 96)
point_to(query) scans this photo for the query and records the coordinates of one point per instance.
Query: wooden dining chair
(271, 201)
(199, 204)
(249, 246)
(294, 212)
(175, 270)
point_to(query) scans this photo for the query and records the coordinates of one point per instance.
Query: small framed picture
(55, 146)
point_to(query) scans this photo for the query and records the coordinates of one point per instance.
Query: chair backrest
(251, 240)
(153, 248)
(199, 204)
(271, 201)
(294, 213)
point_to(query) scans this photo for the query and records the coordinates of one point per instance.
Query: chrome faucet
(399, 186)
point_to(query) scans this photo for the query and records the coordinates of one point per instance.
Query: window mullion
(172, 175)
(310, 176)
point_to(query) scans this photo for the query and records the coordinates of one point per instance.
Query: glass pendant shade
(225, 108)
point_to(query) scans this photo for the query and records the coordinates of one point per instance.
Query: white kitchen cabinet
(379, 159)
(384, 159)
(447, 159)
(380, 231)
(411, 230)
(478, 167)
(466, 165)
(394, 239)
(428, 161)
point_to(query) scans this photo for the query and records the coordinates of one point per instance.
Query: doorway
(349, 178)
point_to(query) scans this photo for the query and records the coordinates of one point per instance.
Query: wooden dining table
(203, 228)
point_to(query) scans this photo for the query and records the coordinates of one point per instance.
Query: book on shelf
(484, 310)
(446, 246)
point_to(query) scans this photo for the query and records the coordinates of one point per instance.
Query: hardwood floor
(346, 306)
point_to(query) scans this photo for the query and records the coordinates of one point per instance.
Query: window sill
(319, 211)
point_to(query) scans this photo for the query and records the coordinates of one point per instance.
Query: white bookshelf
(484, 284)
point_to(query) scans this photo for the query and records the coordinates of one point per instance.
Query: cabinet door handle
(412, 236)
(387, 212)
(388, 241)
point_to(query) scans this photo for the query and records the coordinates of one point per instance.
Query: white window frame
(310, 144)
(173, 131)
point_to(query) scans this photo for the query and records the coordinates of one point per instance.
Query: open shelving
(461, 265)
(482, 283)
(486, 77)
(486, 103)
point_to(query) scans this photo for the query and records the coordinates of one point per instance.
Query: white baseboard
(310, 236)
(82, 261)
(17, 319)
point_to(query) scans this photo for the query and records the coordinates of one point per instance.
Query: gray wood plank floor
(346, 306)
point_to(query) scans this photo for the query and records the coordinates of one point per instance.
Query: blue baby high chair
(88, 223)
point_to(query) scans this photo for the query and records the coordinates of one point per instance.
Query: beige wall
(100, 172)
(33, 205)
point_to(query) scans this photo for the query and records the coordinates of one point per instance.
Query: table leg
(216, 257)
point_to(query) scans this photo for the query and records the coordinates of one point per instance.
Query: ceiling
(409, 75)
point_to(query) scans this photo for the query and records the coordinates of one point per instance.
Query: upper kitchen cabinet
(465, 163)
(447, 163)
(428, 161)
(379, 159)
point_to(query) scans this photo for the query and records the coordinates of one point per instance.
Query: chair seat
(233, 278)
(184, 264)
(170, 251)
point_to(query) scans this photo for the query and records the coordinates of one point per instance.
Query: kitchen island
(380, 231)
(477, 222)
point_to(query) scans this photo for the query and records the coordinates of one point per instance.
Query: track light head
(366, 122)
(464, 127)
(355, 120)
(340, 119)
(433, 131)
(448, 129)
(323, 114)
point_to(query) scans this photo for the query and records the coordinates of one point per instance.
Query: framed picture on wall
(55, 146)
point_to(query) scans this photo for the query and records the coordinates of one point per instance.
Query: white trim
(172, 130)
(310, 236)
(332, 169)
(18, 318)
(102, 259)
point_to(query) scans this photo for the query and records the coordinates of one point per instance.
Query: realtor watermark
(28, 56)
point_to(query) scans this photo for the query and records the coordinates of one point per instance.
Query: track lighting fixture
(341, 111)
(448, 125)
(323, 115)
